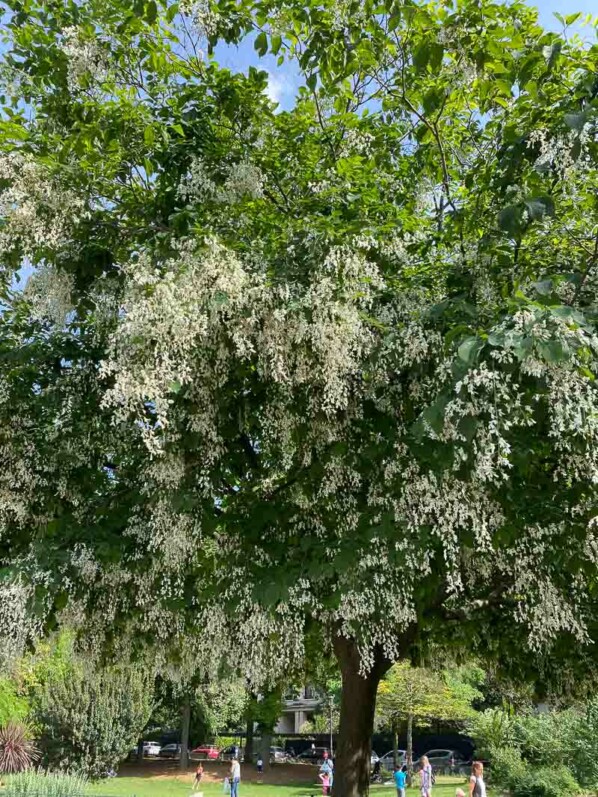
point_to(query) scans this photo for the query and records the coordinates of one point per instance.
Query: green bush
(492, 730)
(508, 768)
(45, 784)
(584, 746)
(13, 707)
(545, 782)
(90, 719)
(545, 739)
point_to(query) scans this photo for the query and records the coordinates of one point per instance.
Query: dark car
(445, 762)
(170, 751)
(230, 752)
(313, 755)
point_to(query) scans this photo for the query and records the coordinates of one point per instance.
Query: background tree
(331, 367)
(416, 695)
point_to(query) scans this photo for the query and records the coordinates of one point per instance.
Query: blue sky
(284, 82)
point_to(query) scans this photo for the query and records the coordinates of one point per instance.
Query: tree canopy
(329, 367)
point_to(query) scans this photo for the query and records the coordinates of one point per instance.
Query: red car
(208, 751)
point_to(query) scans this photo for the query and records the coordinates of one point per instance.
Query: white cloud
(280, 89)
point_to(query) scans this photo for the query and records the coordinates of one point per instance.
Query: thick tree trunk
(409, 751)
(185, 725)
(358, 703)
(249, 741)
(265, 744)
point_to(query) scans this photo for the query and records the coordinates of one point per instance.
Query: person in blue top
(327, 768)
(400, 781)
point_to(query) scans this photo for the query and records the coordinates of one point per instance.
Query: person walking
(400, 781)
(235, 777)
(327, 768)
(425, 777)
(477, 787)
(198, 774)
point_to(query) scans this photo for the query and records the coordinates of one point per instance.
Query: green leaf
(148, 135)
(523, 347)
(468, 426)
(576, 121)
(510, 220)
(469, 349)
(571, 19)
(421, 57)
(151, 12)
(544, 287)
(173, 10)
(261, 44)
(552, 351)
(540, 206)
(276, 43)
(434, 414)
(312, 81)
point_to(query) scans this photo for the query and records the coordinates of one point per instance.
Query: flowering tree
(331, 367)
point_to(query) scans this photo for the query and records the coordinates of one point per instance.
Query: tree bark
(409, 751)
(186, 724)
(358, 703)
(265, 743)
(395, 744)
(249, 741)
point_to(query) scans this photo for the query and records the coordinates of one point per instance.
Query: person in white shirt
(235, 777)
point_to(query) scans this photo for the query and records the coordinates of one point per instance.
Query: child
(459, 793)
(401, 781)
(477, 787)
(198, 775)
(260, 764)
(325, 778)
(425, 777)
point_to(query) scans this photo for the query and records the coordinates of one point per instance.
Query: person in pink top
(325, 778)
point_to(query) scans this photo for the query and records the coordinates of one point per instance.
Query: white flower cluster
(203, 17)
(356, 142)
(184, 322)
(242, 181)
(87, 61)
(38, 213)
(49, 293)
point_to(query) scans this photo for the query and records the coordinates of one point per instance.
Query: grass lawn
(175, 787)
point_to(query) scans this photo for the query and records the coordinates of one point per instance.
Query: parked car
(387, 760)
(151, 748)
(209, 751)
(278, 755)
(170, 751)
(230, 752)
(374, 757)
(446, 761)
(313, 755)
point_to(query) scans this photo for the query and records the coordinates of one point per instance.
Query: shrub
(48, 784)
(17, 751)
(508, 768)
(545, 739)
(546, 782)
(13, 707)
(90, 719)
(491, 730)
(584, 746)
